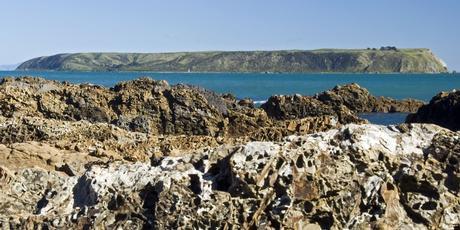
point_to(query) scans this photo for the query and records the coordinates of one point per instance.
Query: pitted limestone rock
(359, 176)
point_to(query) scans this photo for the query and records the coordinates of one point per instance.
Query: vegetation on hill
(323, 60)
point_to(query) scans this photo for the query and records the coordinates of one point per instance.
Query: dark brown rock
(359, 100)
(389, 105)
(247, 102)
(298, 107)
(443, 110)
(354, 97)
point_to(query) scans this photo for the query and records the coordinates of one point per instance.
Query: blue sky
(37, 28)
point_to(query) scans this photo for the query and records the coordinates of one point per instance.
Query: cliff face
(327, 60)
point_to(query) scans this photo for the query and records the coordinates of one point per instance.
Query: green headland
(382, 60)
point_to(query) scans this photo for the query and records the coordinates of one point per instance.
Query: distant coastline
(208, 72)
(270, 62)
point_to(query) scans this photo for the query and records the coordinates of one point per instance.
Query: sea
(260, 86)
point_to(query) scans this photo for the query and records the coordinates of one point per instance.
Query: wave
(259, 102)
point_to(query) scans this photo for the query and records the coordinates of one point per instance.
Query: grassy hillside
(324, 60)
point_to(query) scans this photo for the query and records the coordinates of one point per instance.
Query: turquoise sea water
(384, 118)
(260, 86)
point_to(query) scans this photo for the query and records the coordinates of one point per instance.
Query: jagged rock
(247, 102)
(292, 127)
(108, 141)
(343, 102)
(145, 155)
(98, 139)
(140, 105)
(358, 176)
(389, 105)
(51, 99)
(155, 108)
(443, 110)
(359, 100)
(297, 107)
(102, 141)
(352, 96)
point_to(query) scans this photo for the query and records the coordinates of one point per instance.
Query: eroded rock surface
(359, 176)
(443, 110)
(359, 100)
(147, 155)
(148, 106)
(154, 107)
(297, 106)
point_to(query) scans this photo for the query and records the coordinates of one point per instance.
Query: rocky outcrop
(359, 100)
(156, 108)
(297, 106)
(443, 110)
(147, 155)
(390, 105)
(142, 105)
(104, 141)
(358, 176)
(343, 102)
(134, 121)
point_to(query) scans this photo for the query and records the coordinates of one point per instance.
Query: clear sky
(36, 28)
